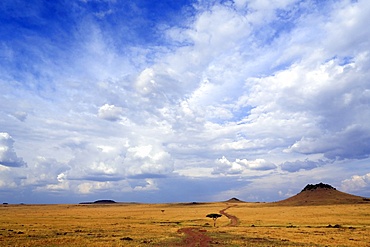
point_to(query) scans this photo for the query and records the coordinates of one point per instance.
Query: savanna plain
(184, 224)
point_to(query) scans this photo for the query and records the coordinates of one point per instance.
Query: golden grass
(261, 224)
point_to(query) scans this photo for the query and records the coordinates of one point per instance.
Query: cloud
(93, 187)
(110, 112)
(116, 163)
(303, 104)
(124, 186)
(258, 164)
(9, 180)
(301, 165)
(8, 157)
(279, 82)
(349, 143)
(21, 116)
(45, 171)
(356, 183)
(100, 163)
(150, 185)
(226, 167)
(148, 161)
(145, 81)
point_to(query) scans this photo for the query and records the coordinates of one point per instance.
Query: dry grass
(158, 225)
(350, 224)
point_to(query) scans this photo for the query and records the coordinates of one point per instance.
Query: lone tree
(214, 217)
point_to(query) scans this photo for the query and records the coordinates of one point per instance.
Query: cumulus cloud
(9, 179)
(8, 157)
(148, 161)
(60, 187)
(150, 184)
(100, 163)
(258, 164)
(46, 173)
(356, 183)
(226, 167)
(145, 81)
(116, 163)
(324, 118)
(110, 112)
(91, 187)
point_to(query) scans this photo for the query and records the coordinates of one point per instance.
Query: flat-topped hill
(321, 194)
(99, 202)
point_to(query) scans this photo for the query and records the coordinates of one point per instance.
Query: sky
(181, 101)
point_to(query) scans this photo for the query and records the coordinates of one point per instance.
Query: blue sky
(176, 101)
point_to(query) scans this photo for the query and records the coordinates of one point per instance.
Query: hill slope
(321, 194)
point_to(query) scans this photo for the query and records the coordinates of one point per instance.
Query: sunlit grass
(158, 225)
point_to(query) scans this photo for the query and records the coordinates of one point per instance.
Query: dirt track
(197, 237)
(234, 221)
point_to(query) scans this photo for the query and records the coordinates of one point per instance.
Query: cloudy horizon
(182, 100)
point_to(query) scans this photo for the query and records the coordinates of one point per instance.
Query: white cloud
(145, 81)
(263, 10)
(239, 166)
(115, 163)
(110, 112)
(91, 187)
(44, 171)
(61, 187)
(94, 163)
(150, 185)
(211, 28)
(356, 183)
(8, 179)
(258, 164)
(315, 105)
(224, 166)
(347, 29)
(148, 161)
(8, 157)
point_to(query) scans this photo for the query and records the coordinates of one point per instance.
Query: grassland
(259, 224)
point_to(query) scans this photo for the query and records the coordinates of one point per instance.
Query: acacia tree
(214, 217)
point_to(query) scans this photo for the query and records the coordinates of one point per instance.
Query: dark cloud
(301, 165)
(100, 178)
(352, 143)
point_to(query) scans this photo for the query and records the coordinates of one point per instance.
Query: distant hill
(234, 200)
(104, 201)
(99, 202)
(321, 194)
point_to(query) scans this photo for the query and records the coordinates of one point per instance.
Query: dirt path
(195, 238)
(234, 221)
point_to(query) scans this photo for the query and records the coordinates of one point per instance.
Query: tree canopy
(214, 217)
